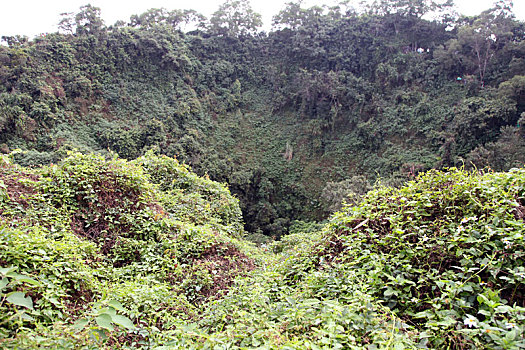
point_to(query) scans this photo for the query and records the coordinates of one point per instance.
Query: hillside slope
(437, 263)
(96, 244)
(322, 105)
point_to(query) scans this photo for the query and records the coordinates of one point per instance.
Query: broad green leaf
(104, 321)
(80, 323)
(107, 310)
(422, 314)
(26, 279)
(510, 336)
(98, 335)
(447, 322)
(3, 283)
(482, 299)
(484, 312)
(26, 317)
(116, 305)
(390, 292)
(54, 301)
(5, 270)
(123, 321)
(502, 309)
(20, 299)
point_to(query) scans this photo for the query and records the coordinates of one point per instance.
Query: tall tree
(477, 42)
(410, 8)
(175, 19)
(235, 18)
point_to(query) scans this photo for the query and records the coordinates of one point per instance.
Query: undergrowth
(106, 253)
(99, 247)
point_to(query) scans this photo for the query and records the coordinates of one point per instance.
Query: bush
(445, 253)
(88, 246)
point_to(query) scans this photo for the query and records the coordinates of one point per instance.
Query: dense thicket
(293, 119)
(92, 243)
(102, 253)
(437, 263)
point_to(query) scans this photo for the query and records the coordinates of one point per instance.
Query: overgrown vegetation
(437, 263)
(379, 114)
(86, 236)
(285, 117)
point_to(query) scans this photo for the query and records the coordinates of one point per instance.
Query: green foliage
(135, 250)
(441, 252)
(84, 237)
(144, 253)
(106, 317)
(48, 269)
(474, 48)
(349, 190)
(204, 201)
(330, 93)
(100, 251)
(235, 18)
(437, 263)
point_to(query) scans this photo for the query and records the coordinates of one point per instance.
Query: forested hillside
(295, 119)
(140, 158)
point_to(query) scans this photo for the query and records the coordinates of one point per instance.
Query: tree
(515, 90)
(478, 42)
(172, 19)
(17, 40)
(88, 20)
(294, 16)
(235, 18)
(349, 191)
(67, 24)
(410, 8)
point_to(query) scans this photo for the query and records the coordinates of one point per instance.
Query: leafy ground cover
(88, 246)
(107, 253)
(437, 263)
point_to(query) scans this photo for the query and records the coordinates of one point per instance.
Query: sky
(33, 17)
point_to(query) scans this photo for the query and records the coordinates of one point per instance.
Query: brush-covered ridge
(437, 263)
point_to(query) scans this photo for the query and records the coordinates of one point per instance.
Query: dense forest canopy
(294, 119)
